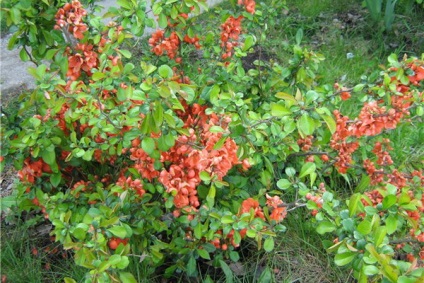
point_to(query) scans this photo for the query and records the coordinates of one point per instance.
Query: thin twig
(263, 121)
(30, 56)
(307, 153)
(405, 240)
(292, 206)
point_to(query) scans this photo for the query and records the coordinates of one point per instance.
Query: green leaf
(335, 247)
(163, 21)
(204, 176)
(127, 277)
(420, 112)
(251, 233)
(24, 55)
(279, 110)
(147, 68)
(331, 124)
(118, 231)
(391, 223)
(363, 184)
(15, 15)
(187, 93)
(353, 204)
(348, 224)
(226, 219)
(210, 198)
(219, 143)
(266, 276)
(286, 96)
(406, 279)
(148, 145)
(284, 184)
(379, 235)
(191, 266)
(198, 231)
(125, 53)
(35, 122)
(55, 179)
(69, 280)
(79, 233)
(216, 129)
(325, 227)
(209, 93)
(8, 202)
(227, 271)
(344, 258)
(124, 4)
(393, 60)
(249, 41)
(269, 244)
(307, 169)
(389, 201)
(358, 87)
(203, 254)
(98, 76)
(391, 189)
(165, 71)
(49, 155)
(370, 270)
(306, 125)
(299, 36)
(237, 237)
(364, 227)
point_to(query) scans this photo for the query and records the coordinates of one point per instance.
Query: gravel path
(13, 72)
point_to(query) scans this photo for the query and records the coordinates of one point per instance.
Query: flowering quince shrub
(174, 163)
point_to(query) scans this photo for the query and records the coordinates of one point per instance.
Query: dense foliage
(176, 161)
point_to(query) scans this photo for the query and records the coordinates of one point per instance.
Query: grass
(28, 257)
(334, 29)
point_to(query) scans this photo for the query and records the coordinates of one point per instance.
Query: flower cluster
(69, 18)
(84, 59)
(372, 198)
(164, 45)
(344, 92)
(381, 151)
(197, 153)
(230, 32)
(418, 75)
(279, 212)
(340, 144)
(129, 183)
(251, 204)
(143, 162)
(306, 143)
(249, 4)
(317, 198)
(33, 170)
(372, 120)
(192, 40)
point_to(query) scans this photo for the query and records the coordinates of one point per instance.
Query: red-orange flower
(250, 5)
(249, 204)
(230, 32)
(70, 18)
(278, 214)
(345, 95)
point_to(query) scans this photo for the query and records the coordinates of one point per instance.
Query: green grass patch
(27, 256)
